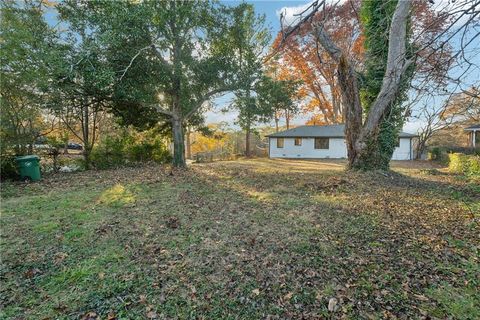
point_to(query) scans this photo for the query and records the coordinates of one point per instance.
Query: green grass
(458, 303)
(240, 240)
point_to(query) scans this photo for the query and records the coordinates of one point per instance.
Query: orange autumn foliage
(305, 60)
(215, 142)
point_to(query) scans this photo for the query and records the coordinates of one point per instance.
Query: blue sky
(269, 9)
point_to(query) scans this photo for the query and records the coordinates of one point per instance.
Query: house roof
(474, 127)
(330, 131)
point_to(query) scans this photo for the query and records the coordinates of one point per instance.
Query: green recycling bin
(29, 167)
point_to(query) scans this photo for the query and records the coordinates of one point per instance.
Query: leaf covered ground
(257, 239)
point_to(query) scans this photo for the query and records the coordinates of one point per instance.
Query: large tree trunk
(178, 143)
(373, 150)
(351, 99)
(363, 140)
(368, 153)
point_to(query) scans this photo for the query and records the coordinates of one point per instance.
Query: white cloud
(290, 14)
(294, 14)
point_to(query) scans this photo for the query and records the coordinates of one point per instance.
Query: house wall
(403, 152)
(337, 149)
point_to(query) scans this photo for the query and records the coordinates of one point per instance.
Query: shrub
(108, 153)
(438, 154)
(464, 164)
(8, 167)
(129, 147)
(474, 165)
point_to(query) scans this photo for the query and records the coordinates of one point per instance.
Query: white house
(311, 142)
(474, 135)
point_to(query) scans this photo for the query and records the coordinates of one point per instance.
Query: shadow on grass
(249, 241)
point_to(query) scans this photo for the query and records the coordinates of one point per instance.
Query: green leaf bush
(129, 148)
(438, 154)
(8, 168)
(460, 163)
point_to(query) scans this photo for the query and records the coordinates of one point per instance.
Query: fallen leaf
(332, 305)
(32, 273)
(288, 296)
(60, 256)
(173, 223)
(90, 316)
(421, 297)
(256, 292)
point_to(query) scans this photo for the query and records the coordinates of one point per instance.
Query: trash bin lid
(26, 158)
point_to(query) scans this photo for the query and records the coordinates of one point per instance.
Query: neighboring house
(312, 142)
(473, 135)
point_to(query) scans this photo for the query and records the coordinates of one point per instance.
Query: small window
(298, 141)
(279, 142)
(322, 143)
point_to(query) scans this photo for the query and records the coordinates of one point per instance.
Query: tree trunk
(276, 122)
(247, 142)
(86, 157)
(363, 140)
(189, 143)
(287, 119)
(238, 141)
(86, 138)
(421, 147)
(371, 156)
(422, 143)
(351, 100)
(178, 142)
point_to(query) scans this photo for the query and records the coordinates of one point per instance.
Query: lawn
(256, 239)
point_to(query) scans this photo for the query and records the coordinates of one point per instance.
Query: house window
(279, 142)
(322, 143)
(298, 141)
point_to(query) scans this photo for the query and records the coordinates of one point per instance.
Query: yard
(250, 239)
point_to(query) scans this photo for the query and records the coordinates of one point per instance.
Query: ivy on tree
(376, 21)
